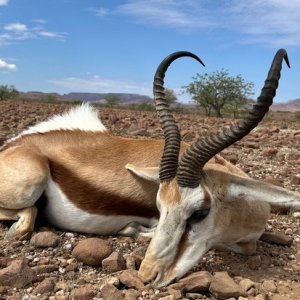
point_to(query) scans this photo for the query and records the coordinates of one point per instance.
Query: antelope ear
(230, 187)
(257, 190)
(250, 189)
(151, 174)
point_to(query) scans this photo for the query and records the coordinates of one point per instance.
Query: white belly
(62, 213)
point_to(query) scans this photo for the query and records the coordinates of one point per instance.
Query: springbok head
(189, 195)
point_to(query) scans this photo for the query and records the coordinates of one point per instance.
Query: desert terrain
(52, 264)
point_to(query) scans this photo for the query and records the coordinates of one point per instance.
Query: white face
(183, 234)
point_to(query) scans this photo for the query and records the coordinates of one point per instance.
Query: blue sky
(115, 46)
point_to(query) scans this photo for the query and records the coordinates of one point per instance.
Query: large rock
(131, 294)
(92, 251)
(195, 282)
(110, 292)
(46, 286)
(84, 293)
(114, 263)
(269, 286)
(276, 238)
(130, 279)
(41, 269)
(246, 284)
(17, 274)
(45, 239)
(224, 287)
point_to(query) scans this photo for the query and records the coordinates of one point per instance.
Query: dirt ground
(271, 152)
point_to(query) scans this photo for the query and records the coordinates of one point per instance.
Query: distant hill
(34, 95)
(86, 97)
(292, 106)
(100, 97)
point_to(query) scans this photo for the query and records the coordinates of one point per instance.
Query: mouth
(160, 281)
(155, 274)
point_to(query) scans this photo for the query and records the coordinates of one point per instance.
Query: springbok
(99, 183)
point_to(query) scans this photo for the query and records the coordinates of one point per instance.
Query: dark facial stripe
(182, 246)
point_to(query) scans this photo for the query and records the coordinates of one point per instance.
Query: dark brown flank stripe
(87, 198)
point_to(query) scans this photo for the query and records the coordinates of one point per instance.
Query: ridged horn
(169, 160)
(192, 162)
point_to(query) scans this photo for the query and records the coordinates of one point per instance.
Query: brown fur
(236, 214)
(169, 193)
(81, 163)
(21, 168)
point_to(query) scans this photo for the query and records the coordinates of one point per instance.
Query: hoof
(11, 233)
(14, 234)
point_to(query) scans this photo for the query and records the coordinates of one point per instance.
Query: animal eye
(199, 215)
(196, 217)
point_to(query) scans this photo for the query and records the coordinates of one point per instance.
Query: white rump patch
(83, 117)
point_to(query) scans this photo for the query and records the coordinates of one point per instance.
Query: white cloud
(267, 22)
(270, 22)
(7, 66)
(18, 31)
(16, 27)
(40, 21)
(170, 13)
(5, 39)
(52, 35)
(101, 12)
(3, 2)
(97, 84)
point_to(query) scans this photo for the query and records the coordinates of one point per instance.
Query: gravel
(44, 266)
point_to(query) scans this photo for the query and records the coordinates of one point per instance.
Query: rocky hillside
(125, 99)
(89, 97)
(292, 106)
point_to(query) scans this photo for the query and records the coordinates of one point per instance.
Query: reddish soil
(271, 152)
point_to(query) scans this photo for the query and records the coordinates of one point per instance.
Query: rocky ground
(51, 264)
